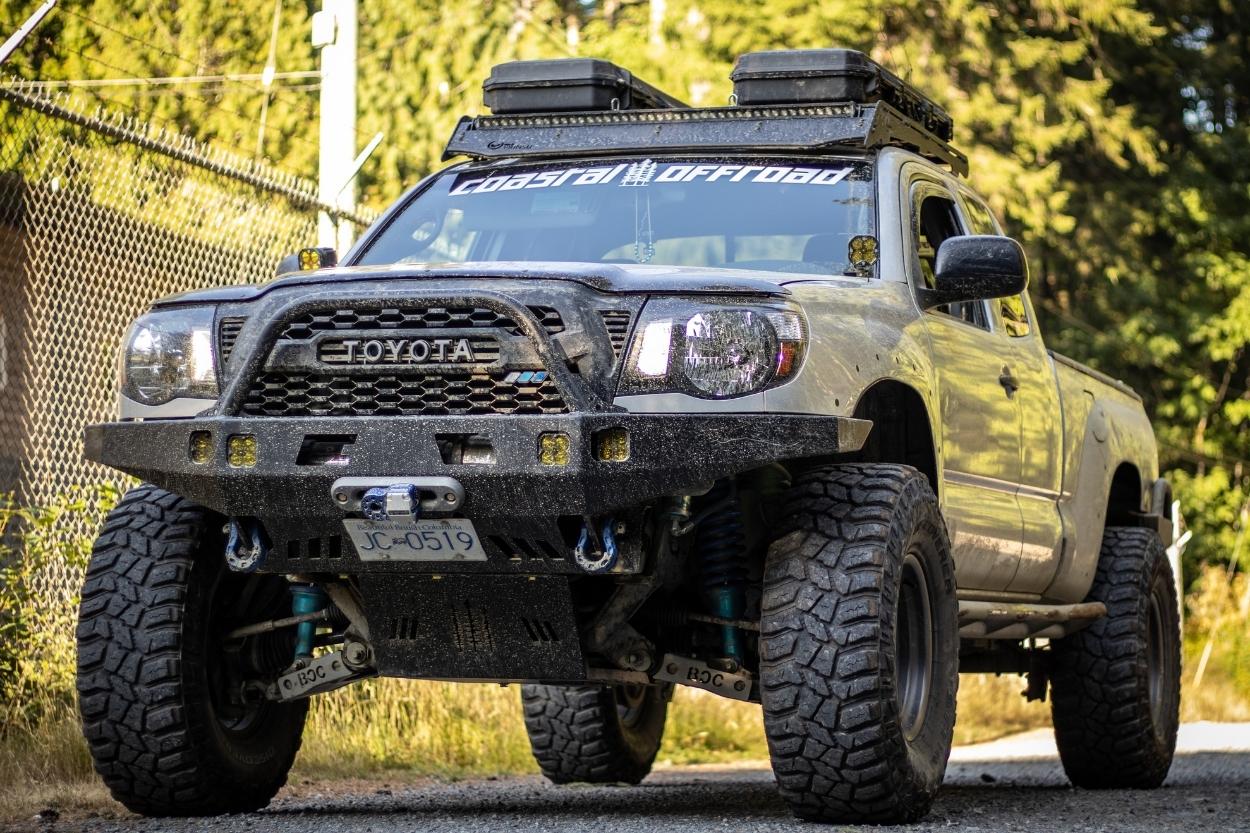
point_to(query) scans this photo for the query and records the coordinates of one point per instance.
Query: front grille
(403, 319)
(227, 334)
(451, 393)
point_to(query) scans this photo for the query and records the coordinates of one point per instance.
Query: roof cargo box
(810, 76)
(569, 85)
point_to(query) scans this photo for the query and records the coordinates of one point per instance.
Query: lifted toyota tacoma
(748, 398)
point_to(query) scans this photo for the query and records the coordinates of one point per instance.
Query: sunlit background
(1110, 136)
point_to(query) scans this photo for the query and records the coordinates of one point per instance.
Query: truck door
(980, 418)
(1041, 428)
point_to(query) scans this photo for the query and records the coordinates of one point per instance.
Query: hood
(610, 278)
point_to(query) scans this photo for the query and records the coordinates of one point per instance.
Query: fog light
(201, 448)
(241, 451)
(612, 445)
(553, 449)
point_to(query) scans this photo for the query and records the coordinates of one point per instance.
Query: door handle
(1009, 381)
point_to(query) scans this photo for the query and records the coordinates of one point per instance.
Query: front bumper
(669, 454)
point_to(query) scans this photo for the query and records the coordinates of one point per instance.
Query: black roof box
(568, 85)
(810, 76)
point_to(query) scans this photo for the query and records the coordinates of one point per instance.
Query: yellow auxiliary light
(863, 250)
(612, 445)
(241, 451)
(309, 259)
(321, 257)
(553, 449)
(201, 447)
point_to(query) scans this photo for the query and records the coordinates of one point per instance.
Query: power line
(247, 119)
(195, 65)
(168, 80)
(239, 79)
(268, 76)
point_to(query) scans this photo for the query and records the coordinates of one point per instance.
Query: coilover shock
(721, 551)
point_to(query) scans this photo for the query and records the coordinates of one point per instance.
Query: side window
(979, 217)
(934, 219)
(1015, 314)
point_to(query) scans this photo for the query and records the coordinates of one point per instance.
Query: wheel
(859, 645)
(1115, 686)
(595, 734)
(162, 700)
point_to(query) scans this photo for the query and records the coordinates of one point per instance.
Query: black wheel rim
(237, 600)
(913, 647)
(631, 701)
(1156, 657)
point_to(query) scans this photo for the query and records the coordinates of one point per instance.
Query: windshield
(763, 215)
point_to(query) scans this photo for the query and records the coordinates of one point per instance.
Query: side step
(1013, 620)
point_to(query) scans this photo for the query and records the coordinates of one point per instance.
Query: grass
(400, 730)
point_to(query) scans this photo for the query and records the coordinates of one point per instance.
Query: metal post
(334, 32)
(15, 40)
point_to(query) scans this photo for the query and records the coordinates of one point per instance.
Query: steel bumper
(669, 454)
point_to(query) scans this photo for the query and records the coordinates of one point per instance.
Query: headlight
(713, 351)
(168, 355)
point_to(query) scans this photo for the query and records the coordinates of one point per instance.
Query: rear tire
(594, 734)
(1116, 684)
(154, 681)
(859, 646)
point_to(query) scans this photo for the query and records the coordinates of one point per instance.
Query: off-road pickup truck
(747, 398)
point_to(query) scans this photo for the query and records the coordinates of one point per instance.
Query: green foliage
(37, 548)
(1217, 647)
(1111, 136)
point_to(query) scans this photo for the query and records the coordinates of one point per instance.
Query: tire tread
(822, 668)
(136, 707)
(1099, 682)
(575, 735)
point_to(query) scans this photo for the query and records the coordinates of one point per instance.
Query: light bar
(817, 128)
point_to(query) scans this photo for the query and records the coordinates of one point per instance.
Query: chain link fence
(99, 215)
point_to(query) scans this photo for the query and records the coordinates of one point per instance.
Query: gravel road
(1014, 784)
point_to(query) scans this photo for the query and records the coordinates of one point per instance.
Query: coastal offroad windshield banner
(647, 172)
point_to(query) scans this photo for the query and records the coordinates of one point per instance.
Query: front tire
(1116, 684)
(595, 734)
(158, 692)
(859, 646)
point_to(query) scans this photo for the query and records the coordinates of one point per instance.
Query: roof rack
(783, 106)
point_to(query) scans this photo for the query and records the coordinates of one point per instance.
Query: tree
(1109, 135)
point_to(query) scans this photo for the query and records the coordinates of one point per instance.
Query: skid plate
(483, 627)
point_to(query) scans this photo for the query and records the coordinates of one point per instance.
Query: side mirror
(975, 268)
(306, 260)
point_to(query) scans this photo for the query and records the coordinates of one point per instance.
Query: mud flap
(473, 627)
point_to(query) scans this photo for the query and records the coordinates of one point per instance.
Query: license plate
(435, 539)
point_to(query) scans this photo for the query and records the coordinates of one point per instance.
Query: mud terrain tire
(1116, 684)
(594, 734)
(859, 645)
(156, 601)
